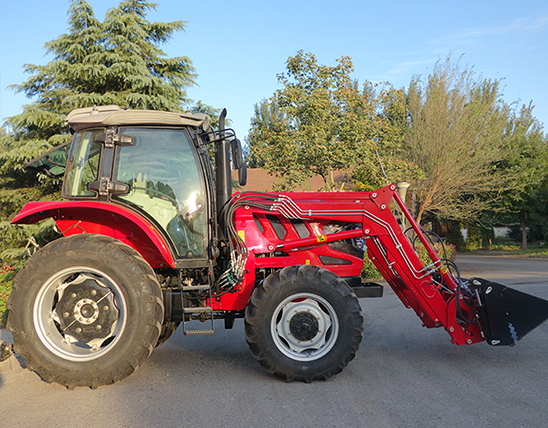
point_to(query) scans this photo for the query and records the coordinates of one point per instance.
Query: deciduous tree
(526, 164)
(320, 121)
(455, 135)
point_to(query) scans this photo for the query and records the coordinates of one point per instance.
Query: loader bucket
(505, 314)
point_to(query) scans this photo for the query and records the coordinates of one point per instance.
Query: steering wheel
(156, 192)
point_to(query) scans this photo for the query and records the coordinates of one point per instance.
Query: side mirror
(242, 175)
(236, 151)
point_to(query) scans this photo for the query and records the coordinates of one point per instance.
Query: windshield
(162, 171)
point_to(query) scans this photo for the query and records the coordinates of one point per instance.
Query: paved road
(403, 376)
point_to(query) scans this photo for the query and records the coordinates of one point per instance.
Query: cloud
(406, 69)
(519, 27)
(485, 39)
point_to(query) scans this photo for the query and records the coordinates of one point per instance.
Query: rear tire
(303, 323)
(168, 328)
(85, 310)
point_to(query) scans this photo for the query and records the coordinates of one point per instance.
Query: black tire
(85, 310)
(168, 328)
(303, 323)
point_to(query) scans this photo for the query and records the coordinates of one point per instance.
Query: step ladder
(188, 291)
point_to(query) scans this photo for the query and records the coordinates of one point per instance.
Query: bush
(450, 252)
(454, 236)
(536, 232)
(479, 236)
(7, 273)
(370, 272)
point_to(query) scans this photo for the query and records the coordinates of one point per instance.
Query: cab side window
(165, 183)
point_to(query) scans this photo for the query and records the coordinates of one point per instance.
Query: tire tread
(255, 322)
(125, 258)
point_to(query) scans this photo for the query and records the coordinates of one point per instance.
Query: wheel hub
(86, 310)
(304, 326)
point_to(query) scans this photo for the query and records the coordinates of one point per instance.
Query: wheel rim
(304, 327)
(80, 314)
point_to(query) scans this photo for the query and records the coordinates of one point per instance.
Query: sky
(238, 47)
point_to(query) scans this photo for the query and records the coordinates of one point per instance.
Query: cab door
(166, 183)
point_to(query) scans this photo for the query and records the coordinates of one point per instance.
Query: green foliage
(390, 145)
(479, 236)
(451, 136)
(526, 162)
(454, 236)
(455, 136)
(371, 273)
(537, 231)
(444, 251)
(7, 273)
(211, 112)
(18, 243)
(319, 122)
(116, 61)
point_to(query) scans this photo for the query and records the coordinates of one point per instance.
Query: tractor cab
(156, 164)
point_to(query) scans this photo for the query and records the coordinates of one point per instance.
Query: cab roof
(90, 117)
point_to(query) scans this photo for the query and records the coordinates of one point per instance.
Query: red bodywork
(73, 217)
(387, 246)
(270, 249)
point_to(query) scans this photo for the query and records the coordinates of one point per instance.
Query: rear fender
(73, 217)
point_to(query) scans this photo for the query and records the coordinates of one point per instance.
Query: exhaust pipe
(222, 175)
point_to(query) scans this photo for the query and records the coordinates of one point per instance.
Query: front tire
(303, 323)
(85, 310)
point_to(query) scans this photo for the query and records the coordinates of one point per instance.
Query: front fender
(73, 217)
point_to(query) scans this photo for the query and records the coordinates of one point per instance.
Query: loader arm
(432, 291)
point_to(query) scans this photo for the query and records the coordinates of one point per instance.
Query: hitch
(506, 315)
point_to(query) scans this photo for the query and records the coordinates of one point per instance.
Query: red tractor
(153, 237)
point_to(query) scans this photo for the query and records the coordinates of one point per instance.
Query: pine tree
(117, 61)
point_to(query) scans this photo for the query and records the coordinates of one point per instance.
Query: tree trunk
(523, 230)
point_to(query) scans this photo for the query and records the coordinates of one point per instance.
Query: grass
(512, 250)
